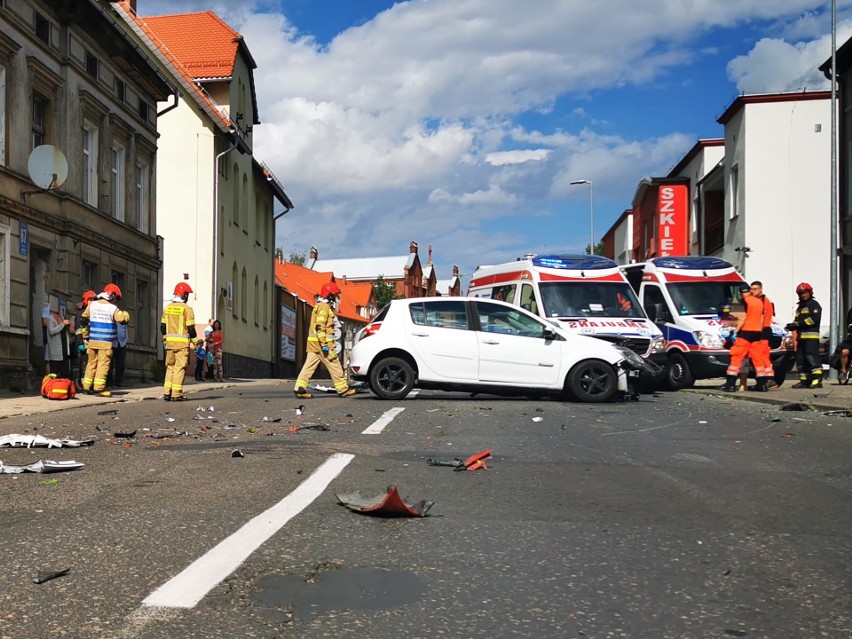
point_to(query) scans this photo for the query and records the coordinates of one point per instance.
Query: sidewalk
(832, 396)
(15, 404)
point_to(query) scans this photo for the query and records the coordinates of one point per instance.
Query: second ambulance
(584, 294)
(684, 297)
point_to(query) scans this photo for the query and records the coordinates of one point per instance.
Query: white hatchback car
(486, 346)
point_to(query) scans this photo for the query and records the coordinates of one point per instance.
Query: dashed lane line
(379, 425)
(189, 587)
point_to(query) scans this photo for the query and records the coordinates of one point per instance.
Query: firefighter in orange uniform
(99, 330)
(178, 328)
(748, 330)
(321, 346)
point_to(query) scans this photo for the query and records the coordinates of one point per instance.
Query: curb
(760, 398)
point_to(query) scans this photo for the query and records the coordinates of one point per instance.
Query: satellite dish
(47, 167)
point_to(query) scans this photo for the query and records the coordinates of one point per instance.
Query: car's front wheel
(592, 381)
(391, 378)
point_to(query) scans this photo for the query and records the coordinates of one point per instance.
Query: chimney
(455, 270)
(314, 254)
(430, 254)
(412, 248)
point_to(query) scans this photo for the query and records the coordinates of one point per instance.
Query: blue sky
(460, 123)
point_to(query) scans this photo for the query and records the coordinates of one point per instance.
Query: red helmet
(88, 296)
(804, 287)
(182, 289)
(329, 289)
(113, 290)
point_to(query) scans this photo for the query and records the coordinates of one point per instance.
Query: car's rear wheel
(592, 381)
(391, 378)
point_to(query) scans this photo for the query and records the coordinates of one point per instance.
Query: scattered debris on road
(795, 406)
(322, 427)
(34, 441)
(47, 466)
(474, 462)
(838, 413)
(237, 453)
(43, 577)
(389, 504)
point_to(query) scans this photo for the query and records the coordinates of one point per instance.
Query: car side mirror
(550, 335)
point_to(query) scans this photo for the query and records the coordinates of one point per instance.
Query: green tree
(279, 254)
(384, 291)
(599, 248)
(297, 257)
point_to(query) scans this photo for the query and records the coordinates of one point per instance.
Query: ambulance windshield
(589, 299)
(703, 298)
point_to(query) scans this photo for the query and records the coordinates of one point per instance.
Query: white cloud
(775, 65)
(501, 158)
(407, 126)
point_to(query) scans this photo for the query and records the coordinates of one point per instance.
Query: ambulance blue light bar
(691, 262)
(574, 262)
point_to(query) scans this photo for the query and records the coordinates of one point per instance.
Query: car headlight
(708, 340)
(630, 357)
(658, 345)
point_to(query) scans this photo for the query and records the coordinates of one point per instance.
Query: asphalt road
(676, 516)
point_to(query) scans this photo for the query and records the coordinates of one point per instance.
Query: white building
(216, 200)
(777, 184)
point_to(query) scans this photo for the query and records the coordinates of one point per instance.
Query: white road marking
(201, 576)
(379, 425)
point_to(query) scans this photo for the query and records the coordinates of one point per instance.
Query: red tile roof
(154, 39)
(306, 284)
(203, 42)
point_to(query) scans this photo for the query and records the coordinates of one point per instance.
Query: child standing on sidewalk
(200, 359)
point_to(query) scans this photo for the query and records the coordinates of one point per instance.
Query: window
(143, 111)
(120, 90)
(528, 298)
(142, 318)
(256, 301)
(89, 276)
(655, 304)
(235, 213)
(735, 191)
(4, 275)
(265, 318)
(244, 205)
(243, 295)
(143, 182)
(90, 163)
(234, 274)
(504, 293)
(117, 168)
(118, 279)
(495, 318)
(91, 65)
(41, 106)
(42, 28)
(443, 314)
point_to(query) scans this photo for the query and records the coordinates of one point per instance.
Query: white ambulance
(584, 294)
(684, 297)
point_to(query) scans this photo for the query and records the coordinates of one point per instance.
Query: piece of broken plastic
(32, 441)
(389, 504)
(47, 466)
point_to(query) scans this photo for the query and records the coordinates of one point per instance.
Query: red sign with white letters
(673, 225)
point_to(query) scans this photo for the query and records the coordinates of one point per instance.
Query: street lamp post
(591, 213)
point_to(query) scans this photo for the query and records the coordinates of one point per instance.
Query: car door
(513, 350)
(443, 341)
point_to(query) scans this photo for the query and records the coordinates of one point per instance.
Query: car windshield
(589, 299)
(703, 298)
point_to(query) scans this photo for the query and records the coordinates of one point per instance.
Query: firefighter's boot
(730, 384)
(302, 393)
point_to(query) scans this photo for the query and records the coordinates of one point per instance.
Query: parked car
(483, 345)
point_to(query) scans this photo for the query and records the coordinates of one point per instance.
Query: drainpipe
(214, 302)
(176, 96)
